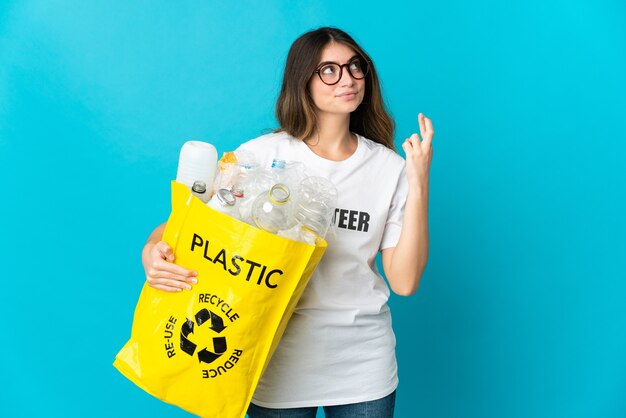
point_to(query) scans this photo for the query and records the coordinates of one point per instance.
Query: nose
(346, 78)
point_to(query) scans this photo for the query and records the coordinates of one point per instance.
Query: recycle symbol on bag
(189, 327)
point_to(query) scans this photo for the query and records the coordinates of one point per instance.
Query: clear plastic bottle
(299, 233)
(273, 211)
(224, 201)
(289, 173)
(199, 190)
(246, 176)
(317, 199)
(264, 179)
(254, 181)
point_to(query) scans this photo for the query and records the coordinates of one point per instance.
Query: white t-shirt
(339, 347)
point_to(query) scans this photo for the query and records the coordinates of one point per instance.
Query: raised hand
(419, 154)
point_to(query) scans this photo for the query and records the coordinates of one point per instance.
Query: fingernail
(188, 287)
(194, 280)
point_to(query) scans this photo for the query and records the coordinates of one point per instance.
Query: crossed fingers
(413, 144)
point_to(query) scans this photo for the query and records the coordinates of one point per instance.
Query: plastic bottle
(246, 189)
(289, 173)
(263, 180)
(317, 199)
(224, 201)
(273, 211)
(299, 233)
(197, 161)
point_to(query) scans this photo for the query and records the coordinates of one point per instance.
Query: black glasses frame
(347, 65)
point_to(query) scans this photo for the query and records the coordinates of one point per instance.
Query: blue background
(521, 311)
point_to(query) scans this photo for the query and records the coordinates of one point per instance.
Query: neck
(332, 138)
(332, 133)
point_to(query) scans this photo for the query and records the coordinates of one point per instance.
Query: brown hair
(295, 109)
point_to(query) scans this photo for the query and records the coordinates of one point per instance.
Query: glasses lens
(330, 73)
(357, 68)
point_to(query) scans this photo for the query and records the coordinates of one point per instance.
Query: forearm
(410, 255)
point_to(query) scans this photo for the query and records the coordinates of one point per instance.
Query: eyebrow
(333, 62)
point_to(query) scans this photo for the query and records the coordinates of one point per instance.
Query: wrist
(419, 189)
(148, 247)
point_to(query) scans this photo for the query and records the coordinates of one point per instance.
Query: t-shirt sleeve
(393, 225)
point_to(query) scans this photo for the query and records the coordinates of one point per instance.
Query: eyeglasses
(330, 72)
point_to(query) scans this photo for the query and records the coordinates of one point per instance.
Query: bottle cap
(199, 186)
(237, 190)
(277, 163)
(225, 197)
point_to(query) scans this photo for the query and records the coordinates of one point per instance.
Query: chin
(341, 108)
(355, 107)
(350, 106)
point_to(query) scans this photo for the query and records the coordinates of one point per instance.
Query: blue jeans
(380, 408)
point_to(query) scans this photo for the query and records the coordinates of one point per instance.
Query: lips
(347, 95)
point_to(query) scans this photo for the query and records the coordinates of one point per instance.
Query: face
(346, 95)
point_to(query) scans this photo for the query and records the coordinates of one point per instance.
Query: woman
(338, 350)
